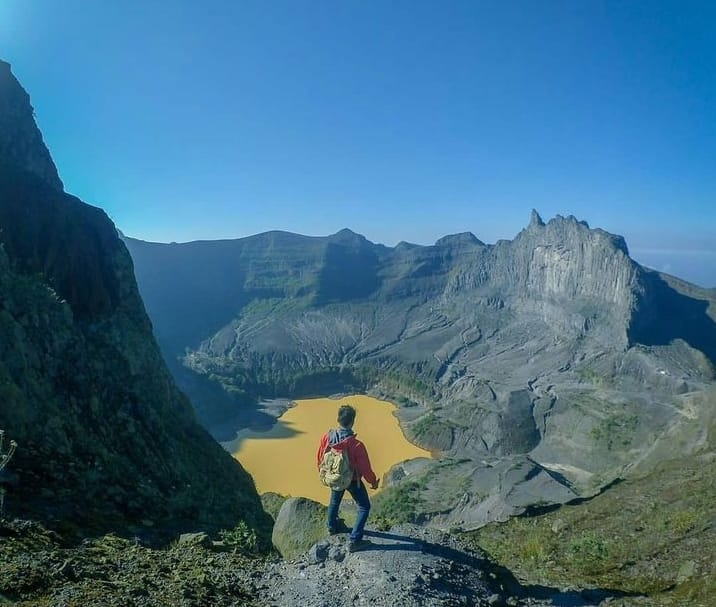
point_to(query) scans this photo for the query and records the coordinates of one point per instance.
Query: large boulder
(299, 525)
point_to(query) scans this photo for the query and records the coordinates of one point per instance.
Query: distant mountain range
(542, 369)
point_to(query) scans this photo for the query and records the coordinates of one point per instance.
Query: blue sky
(402, 120)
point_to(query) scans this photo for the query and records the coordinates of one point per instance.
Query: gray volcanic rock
(105, 438)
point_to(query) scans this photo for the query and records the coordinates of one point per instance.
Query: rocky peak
(567, 261)
(562, 260)
(347, 237)
(21, 142)
(463, 239)
(535, 219)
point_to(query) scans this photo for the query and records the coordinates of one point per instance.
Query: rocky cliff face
(105, 438)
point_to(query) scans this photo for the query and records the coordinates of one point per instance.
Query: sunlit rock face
(105, 437)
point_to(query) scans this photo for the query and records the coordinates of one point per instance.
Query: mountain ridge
(496, 353)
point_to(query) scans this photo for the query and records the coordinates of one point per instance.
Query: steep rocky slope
(542, 368)
(105, 438)
(652, 534)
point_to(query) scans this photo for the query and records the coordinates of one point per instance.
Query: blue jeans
(360, 496)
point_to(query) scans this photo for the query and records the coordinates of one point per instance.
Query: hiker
(340, 440)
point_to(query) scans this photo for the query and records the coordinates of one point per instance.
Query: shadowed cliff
(105, 438)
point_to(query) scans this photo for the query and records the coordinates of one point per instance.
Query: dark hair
(346, 416)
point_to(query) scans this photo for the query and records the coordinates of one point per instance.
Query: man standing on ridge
(340, 439)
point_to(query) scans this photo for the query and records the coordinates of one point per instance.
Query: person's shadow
(502, 576)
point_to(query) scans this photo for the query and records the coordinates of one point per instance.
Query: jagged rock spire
(535, 219)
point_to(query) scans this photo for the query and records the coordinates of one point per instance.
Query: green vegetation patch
(407, 385)
(425, 493)
(652, 536)
(38, 567)
(242, 538)
(599, 380)
(401, 503)
(616, 430)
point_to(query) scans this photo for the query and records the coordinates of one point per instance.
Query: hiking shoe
(358, 545)
(341, 527)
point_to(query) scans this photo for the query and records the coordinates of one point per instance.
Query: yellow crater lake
(283, 459)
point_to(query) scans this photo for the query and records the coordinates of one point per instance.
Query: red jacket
(357, 456)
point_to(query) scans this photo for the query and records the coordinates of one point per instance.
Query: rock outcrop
(105, 438)
(407, 567)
